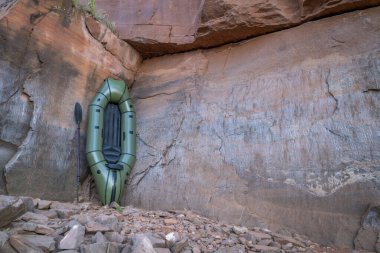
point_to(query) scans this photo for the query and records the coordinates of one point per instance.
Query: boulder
(49, 61)
(141, 244)
(23, 246)
(43, 204)
(3, 238)
(73, 239)
(10, 209)
(100, 248)
(162, 250)
(171, 238)
(156, 240)
(46, 243)
(239, 230)
(368, 234)
(114, 237)
(29, 216)
(179, 246)
(45, 230)
(7, 248)
(99, 238)
(29, 203)
(279, 130)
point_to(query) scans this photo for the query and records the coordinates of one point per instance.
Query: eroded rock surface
(48, 61)
(161, 27)
(281, 129)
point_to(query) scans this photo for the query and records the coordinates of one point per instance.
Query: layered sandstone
(281, 130)
(50, 60)
(161, 27)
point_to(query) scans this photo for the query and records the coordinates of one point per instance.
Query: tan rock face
(159, 21)
(49, 60)
(281, 129)
(159, 27)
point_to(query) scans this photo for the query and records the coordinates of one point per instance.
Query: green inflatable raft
(111, 139)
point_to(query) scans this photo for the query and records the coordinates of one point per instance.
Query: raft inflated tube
(111, 164)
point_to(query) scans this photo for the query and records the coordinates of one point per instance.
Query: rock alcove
(255, 113)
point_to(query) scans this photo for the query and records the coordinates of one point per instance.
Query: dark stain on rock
(36, 79)
(36, 17)
(66, 12)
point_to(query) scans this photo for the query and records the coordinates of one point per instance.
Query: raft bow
(111, 139)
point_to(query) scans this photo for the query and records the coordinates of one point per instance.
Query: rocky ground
(34, 225)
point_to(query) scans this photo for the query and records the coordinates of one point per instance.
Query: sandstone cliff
(284, 127)
(161, 27)
(280, 130)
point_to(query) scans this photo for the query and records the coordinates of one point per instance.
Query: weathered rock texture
(159, 27)
(282, 129)
(49, 61)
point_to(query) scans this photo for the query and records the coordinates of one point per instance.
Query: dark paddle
(78, 119)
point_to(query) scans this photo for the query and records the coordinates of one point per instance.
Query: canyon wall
(281, 130)
(168, 26)
(48, 61)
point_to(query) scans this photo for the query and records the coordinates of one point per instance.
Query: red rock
(156, 29)
(170, 221)
(45, 230)
(23, 246)
(93, 227)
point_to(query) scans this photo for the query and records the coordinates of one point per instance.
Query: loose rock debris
(50, 226)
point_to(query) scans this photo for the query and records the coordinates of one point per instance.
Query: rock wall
(160, 27)
(48, 61)
(281, 130)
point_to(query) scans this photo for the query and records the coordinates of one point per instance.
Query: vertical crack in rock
(173, 143)
(227, 57)
(162, 161)
(23, 144)
(170, 33)
(329, 91)
(20, 82)
(145, 143)
(144, 172)
(11, 96)
(104, 45)
(221, 146)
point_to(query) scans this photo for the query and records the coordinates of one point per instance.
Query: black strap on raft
(111, 136)
(78, 119)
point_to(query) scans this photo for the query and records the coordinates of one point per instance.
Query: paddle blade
(78, 113)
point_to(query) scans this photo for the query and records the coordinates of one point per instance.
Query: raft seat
(111, 136)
